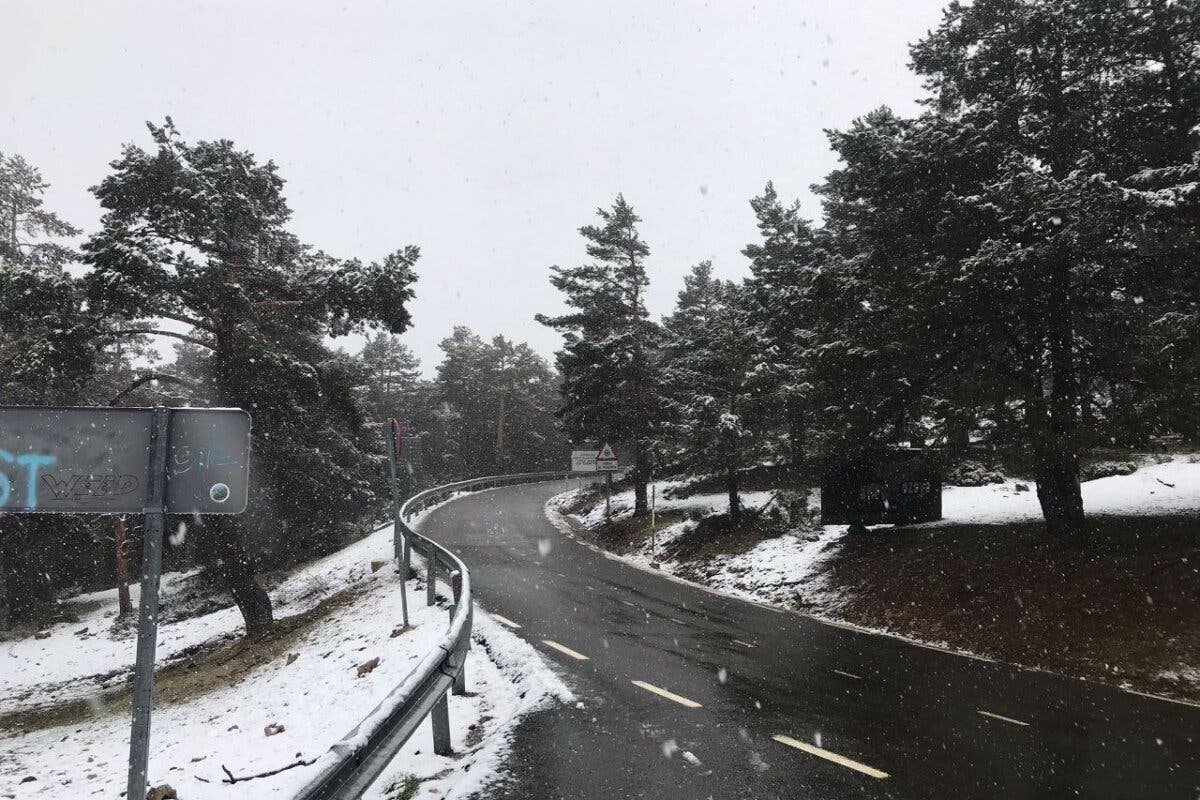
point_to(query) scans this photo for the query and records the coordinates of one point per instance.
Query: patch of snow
(698, 504)
(1172, 487)
(316, 697)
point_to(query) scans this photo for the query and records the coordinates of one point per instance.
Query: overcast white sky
(486, 133)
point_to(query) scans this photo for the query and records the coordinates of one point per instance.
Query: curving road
(753, 702)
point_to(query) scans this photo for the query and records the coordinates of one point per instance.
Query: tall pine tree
(716, 383)
(196, 234)
(779, 292)
(610, 380)
(1008, 244)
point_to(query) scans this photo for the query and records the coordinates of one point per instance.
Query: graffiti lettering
(32, 463)
(202, 457)
(90, 488)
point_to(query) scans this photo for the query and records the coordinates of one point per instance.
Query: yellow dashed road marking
(829, 756)
(506, 621)
(650, 687)
(565, 650)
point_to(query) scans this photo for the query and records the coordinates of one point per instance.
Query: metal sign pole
(398, 539)
(653, 503)
(608, 495)
(143, 675)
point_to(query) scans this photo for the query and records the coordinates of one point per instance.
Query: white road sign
(583, 460)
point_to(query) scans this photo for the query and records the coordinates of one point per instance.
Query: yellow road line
(1003, 718)
(565, 650)
(650, 687)
(506, 621)
(849, 674)
(829, 756)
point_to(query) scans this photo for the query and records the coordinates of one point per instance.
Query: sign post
(607, 462)
(399, 541)
(151, 461)
(143, 670)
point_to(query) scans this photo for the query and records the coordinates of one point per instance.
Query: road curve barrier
(354, 763)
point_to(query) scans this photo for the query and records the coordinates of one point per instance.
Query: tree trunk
(500, 437)
(641, 495)
(735, 504)
(238, 574)
(1058, 493)
(236, 569)
(124, 605)
(1058, 458)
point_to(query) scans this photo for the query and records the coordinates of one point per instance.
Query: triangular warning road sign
(606, 453)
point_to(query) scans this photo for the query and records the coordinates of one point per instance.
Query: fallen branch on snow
(239, 778)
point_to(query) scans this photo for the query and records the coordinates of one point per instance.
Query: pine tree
(196, 233)
(28, 233)
(500, 397)
(49, 351)
(782, 269)
(715, 380)
(394, 377)
(610, 381)
(1008, 244)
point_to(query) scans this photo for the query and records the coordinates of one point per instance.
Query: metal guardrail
(354, 763)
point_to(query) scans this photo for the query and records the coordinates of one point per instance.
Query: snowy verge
(792, 570)
(782, 570)
(76, 660)
(290, 706)
(1171, 487)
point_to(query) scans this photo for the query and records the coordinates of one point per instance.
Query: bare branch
(142, 381)
(172, 334)
(238, 778)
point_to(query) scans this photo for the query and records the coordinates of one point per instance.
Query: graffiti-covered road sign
(97, 460)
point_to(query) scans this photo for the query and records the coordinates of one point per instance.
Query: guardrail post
(430, 578)
(460, 680)
(439, 720)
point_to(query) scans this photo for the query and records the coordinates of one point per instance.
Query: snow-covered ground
(788, 569)
(1172, 487)
(312, 690)
(698, 504)
(776, 570)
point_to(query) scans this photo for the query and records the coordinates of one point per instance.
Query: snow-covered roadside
(1171, 487)
(793, 570)
(787, 569)
(314, 693)
(77, 659)
(697, 504)
(781, 570)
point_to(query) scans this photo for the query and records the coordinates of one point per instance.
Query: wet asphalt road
(862, 704)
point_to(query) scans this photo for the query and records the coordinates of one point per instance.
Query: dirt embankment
(1120, 603)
